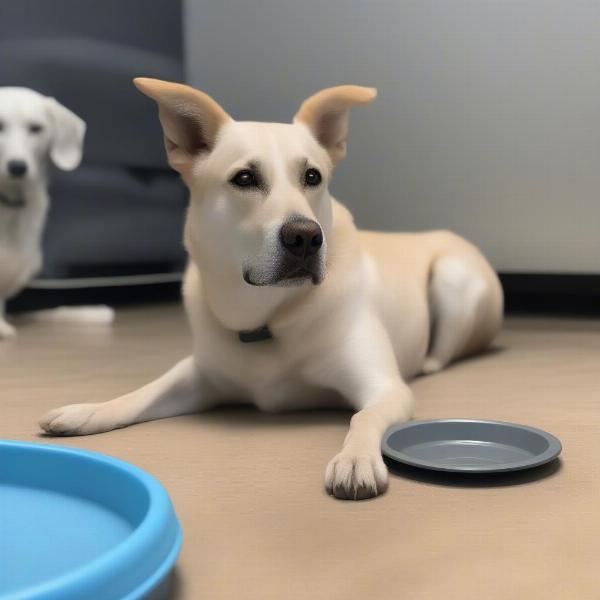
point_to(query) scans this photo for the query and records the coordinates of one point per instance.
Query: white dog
(289, 304)
(33, 130)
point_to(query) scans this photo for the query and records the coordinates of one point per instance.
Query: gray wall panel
(487, 120)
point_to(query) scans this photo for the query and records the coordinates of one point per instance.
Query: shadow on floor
(171, 588)
(476, 480)
(176, 589)
(245, 416)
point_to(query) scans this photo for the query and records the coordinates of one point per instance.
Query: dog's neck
(225, 296)
(23, 209)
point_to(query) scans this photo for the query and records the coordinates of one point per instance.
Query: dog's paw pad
(75, 419)
(354, 477)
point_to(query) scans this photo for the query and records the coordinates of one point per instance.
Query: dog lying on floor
(34, 130)
(290, 305)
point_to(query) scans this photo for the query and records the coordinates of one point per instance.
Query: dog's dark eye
(244, 179)
(35, 128)
(1, 126)
(312, 177)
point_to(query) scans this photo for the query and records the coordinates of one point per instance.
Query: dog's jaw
(284, 271)
(295, 279)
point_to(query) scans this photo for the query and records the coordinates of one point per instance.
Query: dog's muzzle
(301, 240)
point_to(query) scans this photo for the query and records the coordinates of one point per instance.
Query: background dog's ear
(66, 147)
(190, 119)
(326, 115)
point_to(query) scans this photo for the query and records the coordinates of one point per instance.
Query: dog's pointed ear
(326, 115)
(66, 147)
(190, 119)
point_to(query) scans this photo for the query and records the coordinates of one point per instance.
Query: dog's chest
(262, 373)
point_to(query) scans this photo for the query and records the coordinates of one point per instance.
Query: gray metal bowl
(469, 446)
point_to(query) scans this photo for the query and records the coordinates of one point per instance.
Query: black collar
(18, 202)
(256, 335)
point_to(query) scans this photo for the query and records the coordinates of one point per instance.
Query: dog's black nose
(302, 237)
(17, 168)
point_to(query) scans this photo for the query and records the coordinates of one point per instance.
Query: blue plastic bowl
(77, 525)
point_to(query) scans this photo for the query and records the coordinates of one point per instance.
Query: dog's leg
(176, 392)
(6, 329)
(364, 371)
(464, 304)
(358, 471)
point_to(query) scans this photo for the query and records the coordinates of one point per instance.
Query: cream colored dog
(333, 315)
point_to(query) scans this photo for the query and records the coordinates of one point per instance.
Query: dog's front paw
(76, 419)
(7, 331)
(356, 476)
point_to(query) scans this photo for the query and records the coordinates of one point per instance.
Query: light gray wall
(487, 122)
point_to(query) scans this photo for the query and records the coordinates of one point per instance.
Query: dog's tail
(97, 315)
